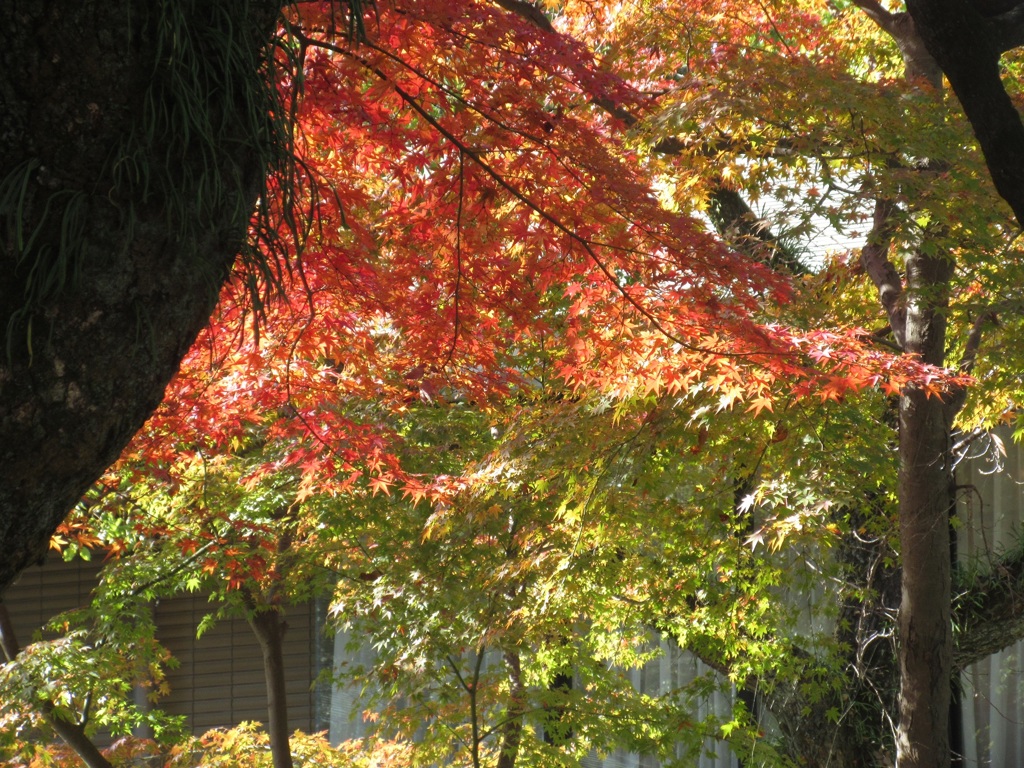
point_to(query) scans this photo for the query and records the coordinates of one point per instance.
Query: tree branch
(730, 214)
(878, 14)
(1006, 30)
(958, 396)
(874, 258)
(974, 340)
(528, 11)
(742, 230)
(919, 63)
(959, 39)
(73, 734)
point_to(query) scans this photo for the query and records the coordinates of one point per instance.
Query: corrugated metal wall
(992, 515)
(671, 671)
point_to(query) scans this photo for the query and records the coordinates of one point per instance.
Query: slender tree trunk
(512, 729)
(270, 629)
(73, 734)
(917, 310)
(267, 622)
(925, 634)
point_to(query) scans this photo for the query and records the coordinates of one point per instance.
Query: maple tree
(147, 155)
(474, 237)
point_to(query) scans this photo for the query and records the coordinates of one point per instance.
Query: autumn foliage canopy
(522, 320)
(493, 204)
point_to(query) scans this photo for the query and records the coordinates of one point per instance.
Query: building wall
(219, 680)
(991, 510)
(41, 592)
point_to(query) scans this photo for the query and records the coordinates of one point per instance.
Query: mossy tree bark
(111, 263)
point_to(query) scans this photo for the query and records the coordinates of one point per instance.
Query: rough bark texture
(925, 483)
(89, 362)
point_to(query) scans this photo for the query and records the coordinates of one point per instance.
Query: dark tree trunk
(925, 648)
(111, 258)
(925, 480)
(967, 48)
(270, 628)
